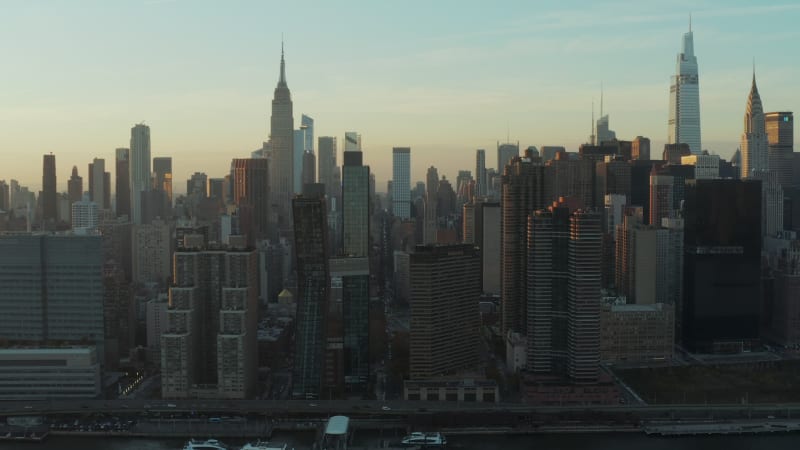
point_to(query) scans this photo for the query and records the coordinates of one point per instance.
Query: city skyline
(442, 87)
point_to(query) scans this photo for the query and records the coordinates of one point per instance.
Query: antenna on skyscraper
(690, 22)
(601, 99)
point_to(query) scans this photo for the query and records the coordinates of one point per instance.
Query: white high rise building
(754, 138)
(139, 168)
(684, 99)
(401, 182)
(85, 215)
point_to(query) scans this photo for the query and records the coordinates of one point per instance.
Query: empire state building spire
(282, 80)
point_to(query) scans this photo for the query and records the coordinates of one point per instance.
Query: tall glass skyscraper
(49, 208)
(139, 167)
(354, 268)
(401, 182)
(326, 165)
(355, 204)
(303, 142)
(684, 99)
(480, 173)
(123, 184)
(313, 285)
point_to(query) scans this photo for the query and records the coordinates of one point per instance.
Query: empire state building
(281, 179)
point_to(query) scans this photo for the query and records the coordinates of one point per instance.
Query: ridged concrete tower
(684, 98)
(281, 136)
(754, 137)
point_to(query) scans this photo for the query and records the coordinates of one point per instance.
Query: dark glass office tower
(523, 192)
(123, 182)
(251, 189)
(311, 256)
(354, 271)
(548, 276)
(74, 188)
(445, 316)
(162, 178)
(49, 209)
(722, 265)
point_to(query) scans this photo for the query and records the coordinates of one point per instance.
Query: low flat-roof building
(637, 333)
(466, 390)
(49, 373)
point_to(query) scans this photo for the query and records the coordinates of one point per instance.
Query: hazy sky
(444, 77)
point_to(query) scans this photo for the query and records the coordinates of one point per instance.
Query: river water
(537, 442)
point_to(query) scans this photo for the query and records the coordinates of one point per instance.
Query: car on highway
(386, 408)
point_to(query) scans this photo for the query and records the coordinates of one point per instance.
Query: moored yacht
(208, 444)
(264, 445)
(417, 439)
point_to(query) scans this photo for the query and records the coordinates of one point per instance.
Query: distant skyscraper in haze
(355, 205)
(780, 142)
(5, 196)
(684, 99)
(84, 215)
(162, 177)
(480, 173)
(602, 127)
(251, 191)
(754, 138)
(352, 141)
(281, 178)
(49, 208)
(74, 187)
(640, 148)
(123, 184)
(139, 169)
(309, 168)
(661, 202)
(326, 164)
(401, 182)
(505, 153)
(303, 143)
(97, 191)
(431, 200)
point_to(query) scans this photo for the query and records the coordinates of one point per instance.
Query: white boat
(208, 444)
(264, 445)
(417, 439)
